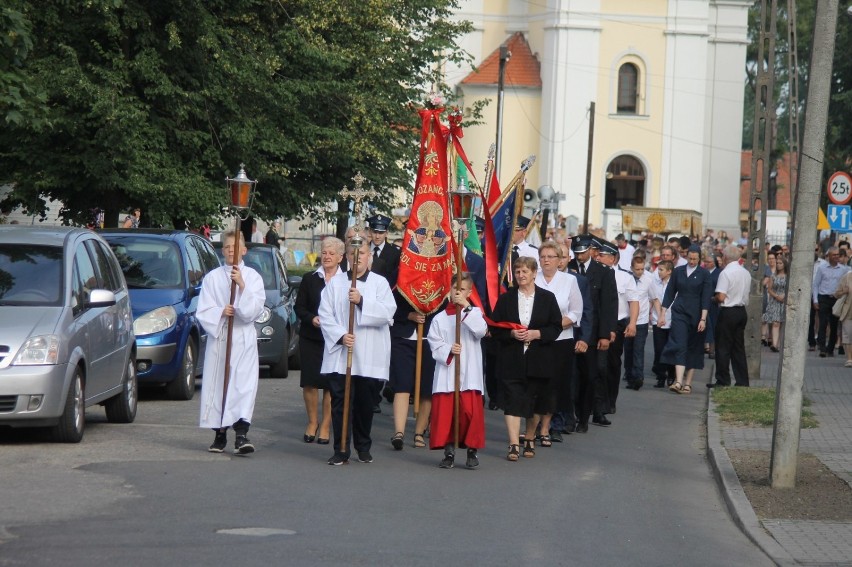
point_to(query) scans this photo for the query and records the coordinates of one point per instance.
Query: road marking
(255, 532)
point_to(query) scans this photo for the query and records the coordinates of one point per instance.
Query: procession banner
(425, 265)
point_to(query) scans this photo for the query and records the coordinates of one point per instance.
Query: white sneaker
(848, 364)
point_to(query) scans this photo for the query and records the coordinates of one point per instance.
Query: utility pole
(589, 168)
(788, 401)
(761, 165)
(505, 55)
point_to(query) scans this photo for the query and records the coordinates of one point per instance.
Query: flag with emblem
(425, 264)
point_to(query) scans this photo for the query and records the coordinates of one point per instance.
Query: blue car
(164, 269)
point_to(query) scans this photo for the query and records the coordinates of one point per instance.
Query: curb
(737, 503)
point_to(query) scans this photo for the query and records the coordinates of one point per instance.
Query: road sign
(840, 188)
(840, 218)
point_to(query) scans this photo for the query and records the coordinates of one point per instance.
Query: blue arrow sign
(840, 218)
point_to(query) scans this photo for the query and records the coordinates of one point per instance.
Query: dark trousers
(591, 383)
(362, 392)
(634, 355)
(812, 328)
(613, 375)
(827, 321)
(660, 370)
(492, 384)
(565, 386)
(730, 346)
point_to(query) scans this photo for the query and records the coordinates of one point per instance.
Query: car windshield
(148, 263)
(30, 275)
(262, 260)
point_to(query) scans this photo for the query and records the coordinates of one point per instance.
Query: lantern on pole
(242, 190)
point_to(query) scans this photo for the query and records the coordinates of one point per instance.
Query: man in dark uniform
(385, 254)
(592, 385)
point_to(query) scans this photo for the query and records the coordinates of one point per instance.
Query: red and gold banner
(425, 265)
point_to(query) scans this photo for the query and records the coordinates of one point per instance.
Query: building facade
(667, 80)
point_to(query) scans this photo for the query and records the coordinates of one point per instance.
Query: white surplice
(373, 318)
(442, 336)
(242, 383)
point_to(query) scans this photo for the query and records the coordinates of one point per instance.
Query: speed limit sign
(840, 188)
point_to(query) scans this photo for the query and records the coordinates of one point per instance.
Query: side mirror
(101, 298)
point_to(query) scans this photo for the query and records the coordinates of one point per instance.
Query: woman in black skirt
(311, 342)
(525, 356)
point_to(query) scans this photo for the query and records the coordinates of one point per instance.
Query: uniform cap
(581, 243)
(379, 223)
(523, 222)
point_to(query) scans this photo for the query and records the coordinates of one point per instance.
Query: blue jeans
(634, 355)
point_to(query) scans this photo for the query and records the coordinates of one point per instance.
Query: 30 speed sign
(840, 188)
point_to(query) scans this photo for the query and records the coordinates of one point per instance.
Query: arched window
(625, 183)
(628, 79)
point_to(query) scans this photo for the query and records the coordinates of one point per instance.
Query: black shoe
(397, 441)
(338, 459)
(582, 428)
(570, 428)
(365, 457)
(377, 408)
(219, 443)
(715, 385)
(448, 461)
(638, 384)
(841, 351)
(472, 460)
(822, 355)
(661, 383)
(242, 446)
(601, 420)
(774, 348)
(630, 384)
(555, 436)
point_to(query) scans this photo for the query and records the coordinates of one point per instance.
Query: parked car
(66, 338)
(164, 269)
(277, 328)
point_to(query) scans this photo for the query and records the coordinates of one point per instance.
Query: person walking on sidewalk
(732, 297)
(843, 290)
(826, 280)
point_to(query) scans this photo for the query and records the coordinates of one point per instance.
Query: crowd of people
(554, 352)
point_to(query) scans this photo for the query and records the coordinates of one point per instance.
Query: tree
(152, 102)
(838, 140)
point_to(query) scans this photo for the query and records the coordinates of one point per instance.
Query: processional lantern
(242, 190)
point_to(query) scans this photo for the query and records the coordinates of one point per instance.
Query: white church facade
(667, 80)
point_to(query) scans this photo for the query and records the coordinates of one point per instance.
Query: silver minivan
(66, 331)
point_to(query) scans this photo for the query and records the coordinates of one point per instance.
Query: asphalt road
(637, 493)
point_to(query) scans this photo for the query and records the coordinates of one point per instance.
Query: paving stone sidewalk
(828, 384)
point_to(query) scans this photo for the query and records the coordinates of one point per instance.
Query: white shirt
(564, 287)
(643, 288)
(525, 305)
(257, 237)
(625, 256)
(442, 336)
(734, 282)
(525, 249)
(681, 261)
(626, 284)
(371, 353)
(656, 292)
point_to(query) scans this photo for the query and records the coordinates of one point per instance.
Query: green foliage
(838, 150)
(152, 103)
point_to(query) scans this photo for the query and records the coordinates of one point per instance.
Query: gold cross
(358, 194)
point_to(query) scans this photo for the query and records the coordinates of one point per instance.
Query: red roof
(783, 194)
(522, 70)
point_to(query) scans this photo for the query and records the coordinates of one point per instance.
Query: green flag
(472, 240)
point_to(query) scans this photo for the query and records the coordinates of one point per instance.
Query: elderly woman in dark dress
(311, 342)
(688, 295)
(524, 355)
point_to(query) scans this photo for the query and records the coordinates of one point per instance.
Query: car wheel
(121, 408)
(183, 387)
(72, 423)
(282, 368)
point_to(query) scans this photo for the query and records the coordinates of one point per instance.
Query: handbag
(838, 306)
